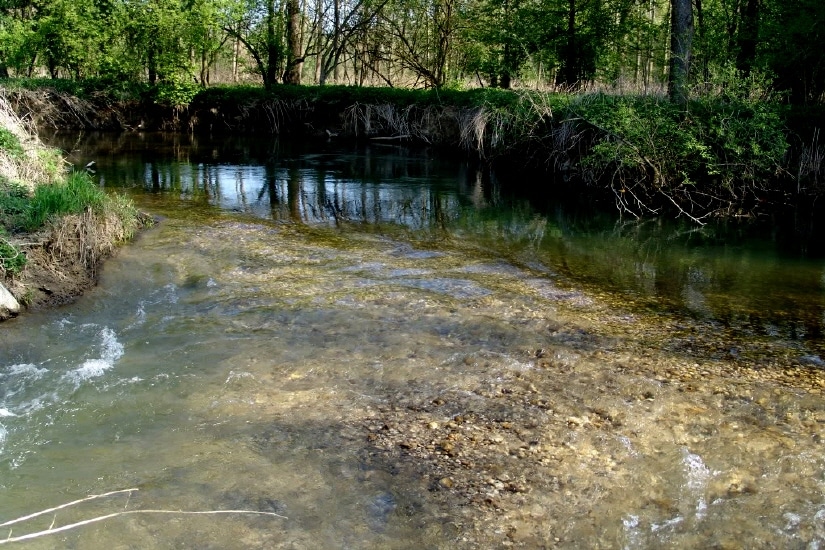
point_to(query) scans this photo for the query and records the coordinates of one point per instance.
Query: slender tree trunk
(700, 29)
(204, 72)
(152, 65)
(681, 42)
(748, 36)
(319, 40)
(336, 38)
(506, 77)
(236, 52)
(273, 54)
(569, 73)
(292, 75)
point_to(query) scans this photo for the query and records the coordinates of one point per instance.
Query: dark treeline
(701, 107)
(631, 45)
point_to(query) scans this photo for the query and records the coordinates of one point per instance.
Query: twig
(50, 510)
(390, 138)
(682, 210)
(51, 531)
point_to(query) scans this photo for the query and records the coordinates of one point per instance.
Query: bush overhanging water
(728, 151)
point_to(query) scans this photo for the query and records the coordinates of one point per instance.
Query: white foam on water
(701, 509)
(171, 293)
(696, 471)
(37, 403)
(14, 382)
(63, 323)
(632, 532)
(91, 369)
(111, 350)
(140, 316)
(233, 376)
(26, 369)
(698, 475)
(667, 524)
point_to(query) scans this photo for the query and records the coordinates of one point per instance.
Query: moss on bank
(55, 228)
(732, 151)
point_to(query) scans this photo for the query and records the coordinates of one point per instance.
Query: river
(341, 346)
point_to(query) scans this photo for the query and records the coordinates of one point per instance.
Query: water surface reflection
(455, 375)
(765, 278)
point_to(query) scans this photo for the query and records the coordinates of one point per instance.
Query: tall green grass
(73, 196)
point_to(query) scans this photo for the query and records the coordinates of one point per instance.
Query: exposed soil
(63, 261)
(49, 280)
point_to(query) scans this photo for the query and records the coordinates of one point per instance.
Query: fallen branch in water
(391, 138)
(54, 530)
(66, 505)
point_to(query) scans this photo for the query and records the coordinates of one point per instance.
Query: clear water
(236, 357)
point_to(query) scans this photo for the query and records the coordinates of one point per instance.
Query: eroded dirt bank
(64, 259)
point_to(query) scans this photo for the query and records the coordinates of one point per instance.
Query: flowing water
(345, 347)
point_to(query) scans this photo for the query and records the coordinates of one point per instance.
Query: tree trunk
(569, 73)
(681, 41)
(748, 36)
(152, 66)
(236, 52)
(272, 50)
(319, 40)
(336, 38)
(292, 75)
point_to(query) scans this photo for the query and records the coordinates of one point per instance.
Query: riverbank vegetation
(55, 227)
(698, 108)
(729, 151)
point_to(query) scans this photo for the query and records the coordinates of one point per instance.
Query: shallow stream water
(349, 347)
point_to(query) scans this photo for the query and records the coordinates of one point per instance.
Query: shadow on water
(391, 351)
(763, 277)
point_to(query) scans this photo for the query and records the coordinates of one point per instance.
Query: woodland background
(626, 45)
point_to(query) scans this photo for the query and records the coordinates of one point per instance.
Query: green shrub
(12, 261)
(724, 150)
(176, 92)
(14, 200)
(10, 144)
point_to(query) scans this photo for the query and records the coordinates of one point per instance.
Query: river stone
(9, 307)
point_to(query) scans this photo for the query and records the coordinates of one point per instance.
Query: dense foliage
(626, 44)
(703, 128)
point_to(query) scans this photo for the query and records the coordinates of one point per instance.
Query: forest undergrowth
(735, 149)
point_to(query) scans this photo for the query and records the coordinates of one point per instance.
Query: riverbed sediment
(437, 389)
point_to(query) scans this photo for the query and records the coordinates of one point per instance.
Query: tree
(748, 36)
(793, 38)
(681, 41)
(292, 75)
(501, 35)
(66, 34)
(259, 27)
(423, 32)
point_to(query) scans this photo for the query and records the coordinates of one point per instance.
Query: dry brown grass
(37, 163)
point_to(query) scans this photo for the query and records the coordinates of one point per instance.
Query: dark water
(761, 277)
